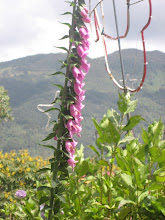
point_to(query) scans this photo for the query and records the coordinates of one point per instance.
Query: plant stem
(110, 174)
(101, 196)
(57, 152)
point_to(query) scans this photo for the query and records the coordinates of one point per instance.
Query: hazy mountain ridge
(28, 82)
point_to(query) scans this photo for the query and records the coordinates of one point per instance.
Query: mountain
(28, 81)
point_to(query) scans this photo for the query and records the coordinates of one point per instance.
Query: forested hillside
(28, 81)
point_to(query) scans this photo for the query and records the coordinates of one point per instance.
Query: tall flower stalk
(71, 97)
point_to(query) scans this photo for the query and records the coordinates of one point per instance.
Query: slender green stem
(110, 175)
(101, 196)
(57, 153)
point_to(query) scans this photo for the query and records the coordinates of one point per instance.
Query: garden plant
(124, 180)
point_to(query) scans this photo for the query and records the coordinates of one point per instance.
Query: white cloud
(31, 26)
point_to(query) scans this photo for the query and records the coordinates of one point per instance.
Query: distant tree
(5, 109)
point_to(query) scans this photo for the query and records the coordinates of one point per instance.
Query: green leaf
(127, 179)
(54, 184)
(43, 170)
(61, 198)
(142, 196)
(122, 105)
(59, 86)
(67, 116)
(103, 162)
(97, 126)
(114, 132)
(131, 106)
(132, 122)
(50, 136)
(125, 140)
(94, 149)
(63, 48)
(43, 188)
(58, 73)
(160, 179)
(48, 146)
(113, 116)
(52, 109)
(67, 13)
(155, 186)
(67, 24)
(83, 168)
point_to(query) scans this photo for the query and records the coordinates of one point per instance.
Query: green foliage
(121, 184)
(5, 110)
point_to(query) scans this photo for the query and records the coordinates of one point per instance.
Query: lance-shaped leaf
(59, 86)
(58, 73)
(63, 48)
(50, 136)
(52, 109)
(97, 126)
(127, 179)
(48, 146)
(131, 106)
(113, 116)
(67, 13)
(133, 121)
(44, 188)
(126, 140)
(43, 199)
(43, 170)
(67, 24)
(94, 149)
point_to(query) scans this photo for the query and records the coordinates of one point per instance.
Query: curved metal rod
(97, 27)
(127, 28)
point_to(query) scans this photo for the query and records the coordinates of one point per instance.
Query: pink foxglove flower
(80, 51)
(72, 162)
(71, 128)
(84, 65)
(74, 111)
(75, 72)
(78, 74)
(84, 33)
(70, 147)
(80, 98)
(83, 13)
(85, 8)
(78, 119)
(79, 105)
(85, 44)
(77, 88)
(86, 19)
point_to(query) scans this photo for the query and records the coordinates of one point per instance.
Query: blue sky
(31, 27)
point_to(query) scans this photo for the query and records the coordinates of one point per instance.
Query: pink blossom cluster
(79, 72)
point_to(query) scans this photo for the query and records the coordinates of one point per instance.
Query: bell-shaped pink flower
(78, 119)
(80, 51)
(80, 98)
(85, 44)
(71, 128)
(72, 162)
(84, 33)
(86, 19)
(83, 13)
(75, 111)
(75, 72)
(70, 147)
(79, 105)
(77, 88)
(85, 8)
(84, 65)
